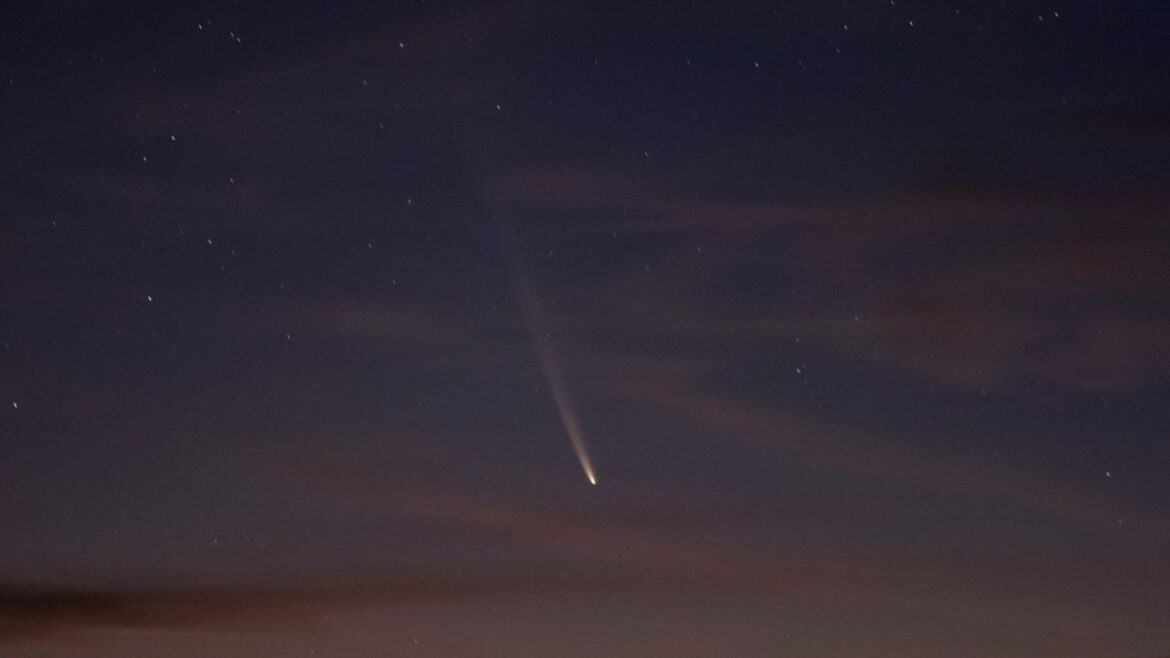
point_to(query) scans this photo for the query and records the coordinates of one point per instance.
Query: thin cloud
(30, 613)
(1025, 289)
(958, 587)
(824, 448)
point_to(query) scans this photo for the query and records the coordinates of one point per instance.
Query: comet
(546, 354)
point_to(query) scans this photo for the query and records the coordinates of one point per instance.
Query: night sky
(317, 317)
